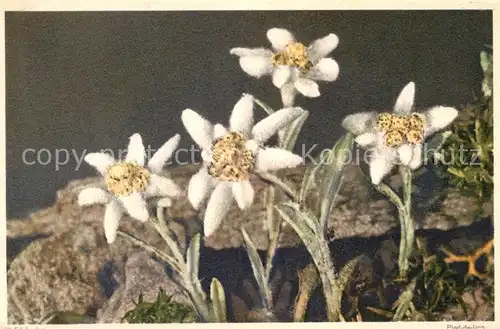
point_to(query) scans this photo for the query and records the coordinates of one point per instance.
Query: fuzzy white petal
(243, 193)
(112, 216)
(281, 75)
(367, 139)
(359, 123)
(405, 153)
(241, 52)
(288, 93)
(200, 185)
(326, 69)
(93, 195)
(217, 208)
(321, 47)
(100, 161)
(219, 131)
(307, 87)
(256, 66)
(381, 164)
(165, 202)
(439, 117)
(206, 155)
(163, 154)
(135, 205)
(135, 150)
(271, 159)
(162, 186)
(242, 116)
(280, 38)
(267, 127)
(199, 128)
(252, 145)
(417, 159)
(404, 102)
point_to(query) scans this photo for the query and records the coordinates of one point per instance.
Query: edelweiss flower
(130, 183)
(397, 137)
(292, 65)
(230, 156)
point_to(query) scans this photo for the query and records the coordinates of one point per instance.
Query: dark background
(88, 80)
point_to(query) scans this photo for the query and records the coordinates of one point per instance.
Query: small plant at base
(163, 310)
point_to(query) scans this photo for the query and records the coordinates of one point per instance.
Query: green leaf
(292, 131)
(218, 298)
(487, 66)
(347, 271)
(387, 314)
(302, 229)
(402, 304)
(163, 256)
(333, 175)
(306, 217)
(192, 260)
(258, 269)
(309, 179)
(456, 172)
(269, 110)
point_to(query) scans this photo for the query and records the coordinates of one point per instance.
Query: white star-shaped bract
(385, 157)
(258, 62)
(135, 203)
(266, 158)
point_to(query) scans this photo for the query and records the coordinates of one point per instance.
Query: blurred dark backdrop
(88, 80)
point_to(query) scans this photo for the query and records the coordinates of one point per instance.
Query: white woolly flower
(230, 156)
(293, 66)
(130, 183)
(398, 137)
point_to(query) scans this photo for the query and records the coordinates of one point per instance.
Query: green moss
(468, 152)
(437, 288)
(163, 310)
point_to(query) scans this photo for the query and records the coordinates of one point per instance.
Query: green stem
(201, 306)
(407, 223)
(403, 245)
(159, 223)
(331, 289)
(405, 218)
(178, 267)
(278, 182)
(389, 192)
(274, 230)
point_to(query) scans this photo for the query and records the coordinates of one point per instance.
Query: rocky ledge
(61, 261)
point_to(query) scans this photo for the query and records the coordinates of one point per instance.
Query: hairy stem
(331, 289)
(274, 230)
(278, 182)
(389, 192)
(161, 226)
(408, 234)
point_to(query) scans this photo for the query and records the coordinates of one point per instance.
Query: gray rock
(141, 275)
(60, 272)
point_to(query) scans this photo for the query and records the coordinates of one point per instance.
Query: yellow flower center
(125, 178)
(231, 160)
(399, 129)
(295, 54)
(414, 137)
